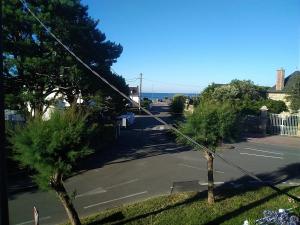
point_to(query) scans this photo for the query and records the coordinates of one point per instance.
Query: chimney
(280, 79)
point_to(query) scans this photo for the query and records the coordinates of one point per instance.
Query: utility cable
(169, 83)
(201, 147)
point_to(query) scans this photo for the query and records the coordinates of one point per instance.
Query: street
(146, 162)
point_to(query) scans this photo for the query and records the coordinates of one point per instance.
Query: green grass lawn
(232, 207)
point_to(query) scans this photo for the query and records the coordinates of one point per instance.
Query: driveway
(145, 162)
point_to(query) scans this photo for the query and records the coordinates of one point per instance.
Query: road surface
(144, 163)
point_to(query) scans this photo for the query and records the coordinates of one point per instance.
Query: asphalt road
(144, 163)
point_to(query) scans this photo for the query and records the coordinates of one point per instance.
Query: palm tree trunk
(210, 177)
(58, 186)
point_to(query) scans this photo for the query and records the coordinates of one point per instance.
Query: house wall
(60, 103)
(135, 98)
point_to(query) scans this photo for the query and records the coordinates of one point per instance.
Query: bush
(145, 103)
(177, 105)
(211, 123)
(51, 148)
(275, 106)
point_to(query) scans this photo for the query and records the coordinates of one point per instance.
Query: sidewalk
(287, 141)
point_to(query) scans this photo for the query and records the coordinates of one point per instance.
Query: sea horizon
(162, 95)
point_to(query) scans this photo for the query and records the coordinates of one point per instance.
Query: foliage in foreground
(51, 148)
(190, 208)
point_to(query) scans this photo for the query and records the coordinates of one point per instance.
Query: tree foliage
(177, 105)
(35, 65)
(246, 96)
(235, 91)
(294, 95)
(211, 123)
(145, 103)
(274, 106)
(51, 148)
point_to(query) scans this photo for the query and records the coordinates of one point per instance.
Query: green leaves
(35, 64)
(294, 94)
(210, 123)
(52, 146)
(177, 105)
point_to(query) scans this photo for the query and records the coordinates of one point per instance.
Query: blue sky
(182, 46)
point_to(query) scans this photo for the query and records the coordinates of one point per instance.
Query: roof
(289, 82)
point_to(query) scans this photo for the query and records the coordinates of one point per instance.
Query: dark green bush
(177, 105)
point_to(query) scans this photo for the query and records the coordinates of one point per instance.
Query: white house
(134, 94)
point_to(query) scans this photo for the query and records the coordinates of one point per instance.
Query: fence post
(263, 119)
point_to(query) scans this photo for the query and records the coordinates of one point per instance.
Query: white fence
(284, 124)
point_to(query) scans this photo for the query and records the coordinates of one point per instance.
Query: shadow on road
(223, 192)
(145, 138)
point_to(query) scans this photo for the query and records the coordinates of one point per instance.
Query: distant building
(283, 85)
(134, 94)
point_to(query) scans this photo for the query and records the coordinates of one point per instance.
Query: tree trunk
(210, 177)
(58, 186)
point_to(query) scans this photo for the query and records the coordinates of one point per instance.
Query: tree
(51, 148)
(177, 105)
(245, 95)
(294, 95)
(35, 65)
(235, 91)
(209, 125)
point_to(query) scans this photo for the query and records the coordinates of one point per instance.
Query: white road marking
(266, 156)
(98, 190)
(116, 199)
(31, 221)
(294, 183)
(156, 145)
(197, 168)
(120, 184)
(214, 183)
(258, 150)
(101, 190)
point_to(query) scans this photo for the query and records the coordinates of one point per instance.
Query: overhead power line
(173, 84)
(201, 147)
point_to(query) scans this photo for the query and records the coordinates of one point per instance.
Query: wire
(176, 84)
(201, 147)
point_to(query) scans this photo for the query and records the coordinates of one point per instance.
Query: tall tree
(208, 125)
(51, 148)
(35, 65)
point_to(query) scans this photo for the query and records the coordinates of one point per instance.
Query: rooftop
(289, 82)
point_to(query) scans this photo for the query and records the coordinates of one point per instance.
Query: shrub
(51, 148)
(275, 106)
(177, 105)
(145, 103)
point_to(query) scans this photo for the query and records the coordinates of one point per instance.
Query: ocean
(154, 96)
